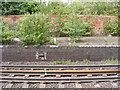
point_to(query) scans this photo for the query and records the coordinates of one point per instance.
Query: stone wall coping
(59, 46)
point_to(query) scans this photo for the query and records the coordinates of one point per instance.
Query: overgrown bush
(34, 29)
(72, 26)
(111, 28)
(104, 8)
(18, 8)
(6, 35)
(37, 29)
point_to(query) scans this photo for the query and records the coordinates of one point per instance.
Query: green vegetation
(111, 61)
(59, 8)
(6, 35)
(85, 43)
(37, 28)
(34, 29)
(86, 61)
(18, 8)
(105, 40)
(70, 25)
(62, 62)
(111, 28)
(115, 43)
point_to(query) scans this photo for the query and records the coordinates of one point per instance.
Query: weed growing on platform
(105, 40)
(86, 61)
(67, 62)
(111, 61)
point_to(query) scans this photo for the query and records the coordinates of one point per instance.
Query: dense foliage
(111, 28)
(38, 28)
(34, 29)
(59, 8)
(6, 35)
(71, 25)
(30, 30)
(18, 8)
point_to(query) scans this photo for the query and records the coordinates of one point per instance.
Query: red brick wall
(97, 21)
(12, 18)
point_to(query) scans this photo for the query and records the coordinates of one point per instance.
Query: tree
(18, 8)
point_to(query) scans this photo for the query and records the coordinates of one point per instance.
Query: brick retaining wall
(97, 21)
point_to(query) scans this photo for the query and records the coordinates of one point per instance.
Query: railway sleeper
(59, 75)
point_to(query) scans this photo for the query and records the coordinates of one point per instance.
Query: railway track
(58, 67)
(59, 73)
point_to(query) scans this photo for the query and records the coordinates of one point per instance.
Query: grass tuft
(86, 61)
(62, 62)
(111, 61)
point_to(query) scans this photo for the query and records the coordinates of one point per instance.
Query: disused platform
(103, 40)
(55, 52)
(97, 49)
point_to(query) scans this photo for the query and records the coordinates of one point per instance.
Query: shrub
(72, 26)
(6, 35)
(34, 29)
(111, 28)
(18, 8)
(104, 8)
(37, 29)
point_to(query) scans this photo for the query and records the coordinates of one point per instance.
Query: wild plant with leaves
(111, 27)
(60, 8)
(72, 26)
(6, 35)
(34, 29)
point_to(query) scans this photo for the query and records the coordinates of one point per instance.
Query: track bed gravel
(64, 85)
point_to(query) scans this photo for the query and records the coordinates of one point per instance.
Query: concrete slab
(41, 85)
(25, 85)
(60, 85)
(106, 40)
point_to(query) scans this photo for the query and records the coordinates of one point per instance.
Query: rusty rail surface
(8, 73)
(58, 71)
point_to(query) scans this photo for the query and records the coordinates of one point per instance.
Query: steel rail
(62, 78)
(59, 71)
(57, 81)
(60, 66)
(54, 74)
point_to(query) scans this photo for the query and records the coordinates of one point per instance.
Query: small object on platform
(16, 39)
(109, 35)
(41, 56)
